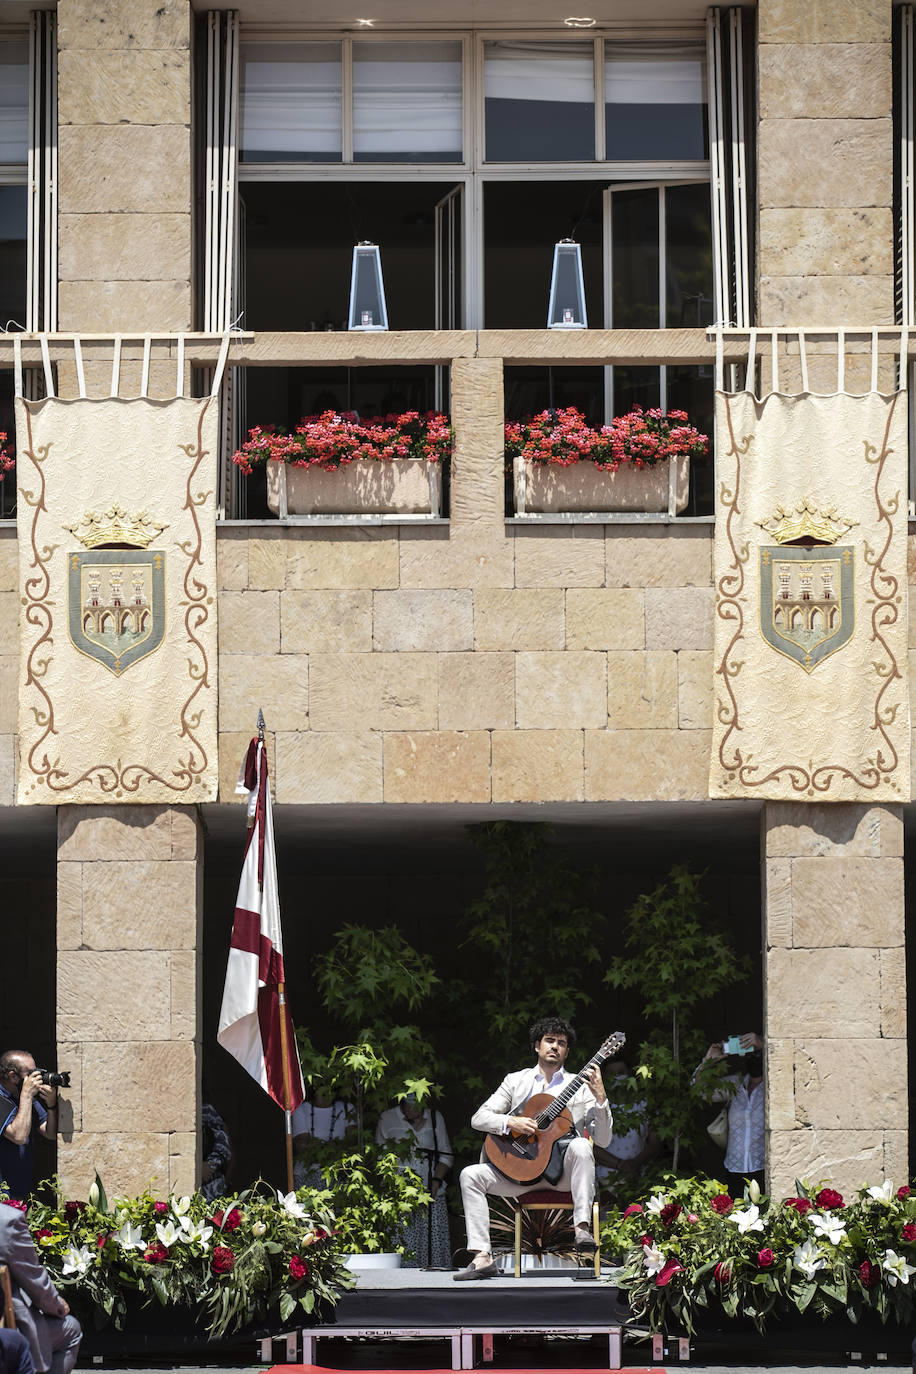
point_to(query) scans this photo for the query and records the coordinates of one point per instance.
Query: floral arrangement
(260, 1255)
(7, 455)
(331, 441)
(693, 1247)
(641, 438)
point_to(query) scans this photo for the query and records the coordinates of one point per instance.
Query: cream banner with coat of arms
(810, 660)
(117, 549)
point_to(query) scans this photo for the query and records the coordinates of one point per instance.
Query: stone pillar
(478, 482)
(129, 917)
(125, 229)
(825, 241)
(835, 994)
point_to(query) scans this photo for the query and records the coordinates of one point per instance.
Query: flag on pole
(254, 1022)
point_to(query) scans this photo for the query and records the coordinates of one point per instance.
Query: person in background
(42, 1315)
(15, 1355)
(426, 1234)
(629, 1150)
(324, 1118)
(744, 1154)
(28, 1108)
(217, 1153)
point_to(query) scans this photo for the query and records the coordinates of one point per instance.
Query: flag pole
(284, 1041)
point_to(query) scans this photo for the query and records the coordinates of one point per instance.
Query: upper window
(14, 104)
(655, 102)
(290, 102)
(540, 102)
(406, 102)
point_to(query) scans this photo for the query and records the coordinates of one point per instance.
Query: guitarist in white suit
(502, 1113)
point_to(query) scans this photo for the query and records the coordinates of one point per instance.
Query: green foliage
(678, 958)
(372, 1194)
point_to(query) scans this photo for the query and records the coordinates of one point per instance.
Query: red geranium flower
(909, 1231)
(671, 1268)
(298, 1267)
(765, 1258)
(800, 1204)
(155, 1253)
(830, 1200)
(670, 1213)
(223, 1260)
(722, 1272)
(722, 1204)
(633, 1208)
(869, 1274)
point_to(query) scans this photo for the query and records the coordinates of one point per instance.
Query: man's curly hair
(551, 1025)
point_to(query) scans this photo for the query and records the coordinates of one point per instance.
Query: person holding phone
(744, 1154)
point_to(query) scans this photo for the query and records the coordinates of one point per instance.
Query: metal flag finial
(260, 725)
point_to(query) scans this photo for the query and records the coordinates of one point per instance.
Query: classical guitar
(523, 1158)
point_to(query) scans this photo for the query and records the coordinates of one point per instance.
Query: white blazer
(515, 1090)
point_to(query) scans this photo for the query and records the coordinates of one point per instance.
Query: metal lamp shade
(368, 310)
(566, 309)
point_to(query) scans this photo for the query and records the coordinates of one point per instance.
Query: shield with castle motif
(807, 600)
(116, 604)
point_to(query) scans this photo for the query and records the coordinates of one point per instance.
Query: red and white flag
(250, 1018)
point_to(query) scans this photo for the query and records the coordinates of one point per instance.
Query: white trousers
(479, 1180)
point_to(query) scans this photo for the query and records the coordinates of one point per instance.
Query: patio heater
(566, 309)
(368, 311)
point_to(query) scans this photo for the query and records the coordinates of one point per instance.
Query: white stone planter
(549, 487)
(400, 486)
(385, 1260)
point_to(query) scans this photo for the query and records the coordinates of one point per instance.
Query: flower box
(545, 487)
(396, 486)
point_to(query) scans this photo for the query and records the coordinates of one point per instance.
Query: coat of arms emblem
(116, 589)
(807, 584)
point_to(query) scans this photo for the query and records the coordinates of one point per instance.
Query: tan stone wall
(129, 882)
(124, 98)
(835, 994)
(825, 164)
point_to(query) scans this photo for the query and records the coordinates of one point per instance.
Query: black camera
(54, 1080)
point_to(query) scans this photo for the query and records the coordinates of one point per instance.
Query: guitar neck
(570, 1089)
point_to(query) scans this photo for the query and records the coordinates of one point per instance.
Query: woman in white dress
(426, 1234)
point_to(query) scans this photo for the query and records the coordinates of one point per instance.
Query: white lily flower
(168, 1232)
(180, 1205)
(184, 1224)
(199, 1233)
(828, 1227)
(748, 1219)
(656, 1202)
(130, 1237)
(291, 1204)
(896, 1268)
(77, 1261)
(258, 1228)
(808, 1259)
(753, 1190)
(882, 1192)
(654, 1259)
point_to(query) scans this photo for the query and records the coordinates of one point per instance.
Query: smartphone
(733, 1045)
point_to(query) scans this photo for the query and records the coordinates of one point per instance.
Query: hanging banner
(117, 558)
(810, 661)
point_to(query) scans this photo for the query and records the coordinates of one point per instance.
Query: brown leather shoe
(483, 1271)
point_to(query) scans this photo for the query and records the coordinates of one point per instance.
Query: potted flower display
(7, 455)
(691, 1252)
(340, 464)
(639, 462)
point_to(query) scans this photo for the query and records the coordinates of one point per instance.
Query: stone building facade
(479, 663)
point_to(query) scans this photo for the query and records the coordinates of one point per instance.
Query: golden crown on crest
(115, 526)
(806, 521)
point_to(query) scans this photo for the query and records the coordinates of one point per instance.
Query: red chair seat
(545, 1195)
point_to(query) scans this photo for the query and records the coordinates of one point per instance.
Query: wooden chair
(7, 1315)
(544, 1200)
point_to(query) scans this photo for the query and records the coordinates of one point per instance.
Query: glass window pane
(406, 102)
(655, 102)
(540, 102)
(634, 258)
(688, 239)
(290, 102)
(13, 229)
(14, 103)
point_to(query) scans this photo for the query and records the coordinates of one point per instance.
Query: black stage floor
(555, 1298)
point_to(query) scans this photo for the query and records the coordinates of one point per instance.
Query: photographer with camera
(28, 1107)
(741, 1088)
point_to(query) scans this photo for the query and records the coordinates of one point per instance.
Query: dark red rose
(20, 1206)
(671, 1268)
(722, 1204)
(322, 1233)
(903, 1193)
(222, 1260)
(909, 1231)
(42, 1233)
(298, 1267)
(869, 1274)
(72, 1211)
(800, 1204)
(722, 1273)
(155, 1253)
(633, 1208)
(160, 1208)
(670, 1213)
(765, 1258)
(230, 1223)
(830, 1200)
(647, 1239)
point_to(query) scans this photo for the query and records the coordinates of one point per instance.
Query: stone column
(129, 916)
(835, 994)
